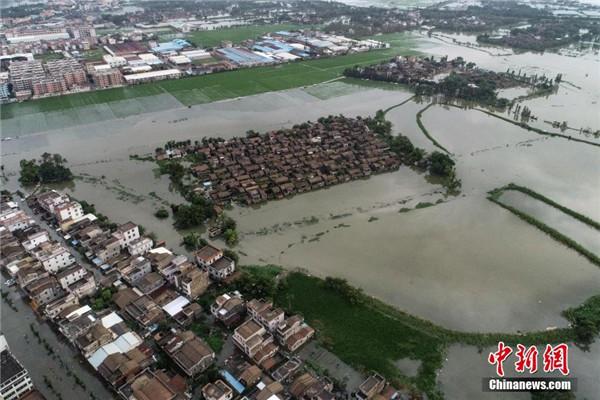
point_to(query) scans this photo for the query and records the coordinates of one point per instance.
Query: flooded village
(282, 163)
(327, 198)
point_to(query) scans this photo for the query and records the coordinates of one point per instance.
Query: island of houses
(282, 163)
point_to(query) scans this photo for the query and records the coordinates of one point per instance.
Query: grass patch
(49, 56)
(93, 55)
(423, 204)
(361, 335)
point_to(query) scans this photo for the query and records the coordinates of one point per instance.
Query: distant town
(94, 45)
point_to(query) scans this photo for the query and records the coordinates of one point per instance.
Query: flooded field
(566, 224)
(462, 262)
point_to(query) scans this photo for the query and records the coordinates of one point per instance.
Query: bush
(161, 213)
(440, 164)
(585, 320)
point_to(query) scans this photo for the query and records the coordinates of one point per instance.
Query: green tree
(440, 164)
(193, 241)
(49, 169)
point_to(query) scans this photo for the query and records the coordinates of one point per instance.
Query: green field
(49, 56)
(237, 34)
(362, 335)
(220, 86)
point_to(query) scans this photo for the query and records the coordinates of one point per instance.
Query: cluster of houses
(131, 303)
(428, 71)
(282, 163)
(43, 267)
(408, 69)
(146, 286)
(265, 367)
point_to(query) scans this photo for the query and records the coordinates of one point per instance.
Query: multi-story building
(49, 200)
(193, 283)
(150, 282)
(290, 332)
(86, 286)
(24, 73)
(108, 248)
(127, 234)
(114, 61)
(217, 391)
(54, 257)
(36, 34)
(15, 380)
(49, 85)
(212, 260)
(107, 78)
(140, 246)
(228, 308)
(207, 255)
(60, 304)
(35, 239)
(15, 220)
(254, 340)
(69, 70)
(293, 333)
(85, 33)
(134, 269)
(69, 276)
(44, 290)
(68, 210)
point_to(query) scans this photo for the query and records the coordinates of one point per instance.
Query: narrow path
(397, 105)
(426, 132)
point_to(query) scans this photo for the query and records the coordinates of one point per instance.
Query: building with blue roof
(243, 57)
(234, 383)
(172, 46)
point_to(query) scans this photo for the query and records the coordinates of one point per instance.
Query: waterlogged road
(59, 367)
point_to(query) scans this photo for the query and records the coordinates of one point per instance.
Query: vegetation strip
(580, 217)
(426, 132)
(536, 130)
(397, 105)
(567, 241)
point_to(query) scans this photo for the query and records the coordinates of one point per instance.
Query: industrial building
(171, 47)
(152, 76)
(244, 57)
(36, 35)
